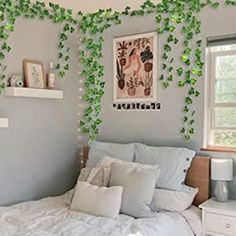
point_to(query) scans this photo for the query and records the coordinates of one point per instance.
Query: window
(220, 112)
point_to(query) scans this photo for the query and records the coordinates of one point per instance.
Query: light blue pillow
(173, 163)
(98, 150)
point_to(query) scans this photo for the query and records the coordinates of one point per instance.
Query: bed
(51, 216)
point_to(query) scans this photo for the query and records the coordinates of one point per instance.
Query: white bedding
(50, 216)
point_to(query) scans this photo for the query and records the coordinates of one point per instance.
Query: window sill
(219, 149)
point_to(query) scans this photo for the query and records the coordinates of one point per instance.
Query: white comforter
(50, 216)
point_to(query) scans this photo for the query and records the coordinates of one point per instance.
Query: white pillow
(169, 200)
(97, 201)
(139, 183)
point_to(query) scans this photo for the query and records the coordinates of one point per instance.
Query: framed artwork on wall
(34, 74)
(135, 68)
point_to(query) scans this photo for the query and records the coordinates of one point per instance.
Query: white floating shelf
(33, 93)
(4, 123)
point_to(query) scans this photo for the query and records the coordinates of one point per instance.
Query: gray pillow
(173, 163)
(138, 183)
(98, 150)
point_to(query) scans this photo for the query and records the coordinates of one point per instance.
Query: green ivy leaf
(191, 91)
(184, 58)
(160, 30)
(158, 18)
(9, 27)
(191, 122)
(165, 56)
(188, 100)
(165, 84)
(186, 109)
(170, 78)
(215, 4)
(170, 38)
(162, 77)
(180, 71)
(2, 56)
(187, 137)
(181, 83)
(197, 93)
(191, 131)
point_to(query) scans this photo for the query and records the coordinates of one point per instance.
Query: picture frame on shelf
(34, 74)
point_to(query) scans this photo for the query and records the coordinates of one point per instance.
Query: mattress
(51, 216)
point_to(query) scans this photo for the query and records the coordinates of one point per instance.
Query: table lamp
(222, 172)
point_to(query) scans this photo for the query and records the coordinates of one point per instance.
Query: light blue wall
(38, 151)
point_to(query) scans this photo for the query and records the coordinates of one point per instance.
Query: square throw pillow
(68, 196)
(98, 201)
(169, 200)
(107, 161)
(99, 175)
(173, 163)
(98, 150)
(138, 182)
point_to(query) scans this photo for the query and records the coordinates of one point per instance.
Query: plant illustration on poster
(135, 73)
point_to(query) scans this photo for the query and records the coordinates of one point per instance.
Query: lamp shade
(222, 169)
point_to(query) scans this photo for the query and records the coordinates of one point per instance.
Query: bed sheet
(51, 217)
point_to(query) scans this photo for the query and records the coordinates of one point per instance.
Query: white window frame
(210, 104)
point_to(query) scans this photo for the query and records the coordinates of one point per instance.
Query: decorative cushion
(139, 183)
(173, 163)
(68, 197)
(107, 161)
(98, 201)
(99, 175)
(98, 150)
(169, 200)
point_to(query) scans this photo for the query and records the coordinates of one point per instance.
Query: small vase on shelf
(51, 80)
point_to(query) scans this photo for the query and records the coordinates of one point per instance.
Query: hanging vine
(170, 15)
(10, 10)
(230, 2)
(92, 26)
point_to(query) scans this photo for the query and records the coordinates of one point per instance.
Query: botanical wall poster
(135, 68)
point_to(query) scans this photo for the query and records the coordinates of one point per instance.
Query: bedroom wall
(159, 127)
(38, 150)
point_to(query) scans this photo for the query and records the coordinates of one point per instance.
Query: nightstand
(219, 218)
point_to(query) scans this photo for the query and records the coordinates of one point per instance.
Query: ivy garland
(169, 15)
(230, 2)
(11, 9)
(92, 26)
